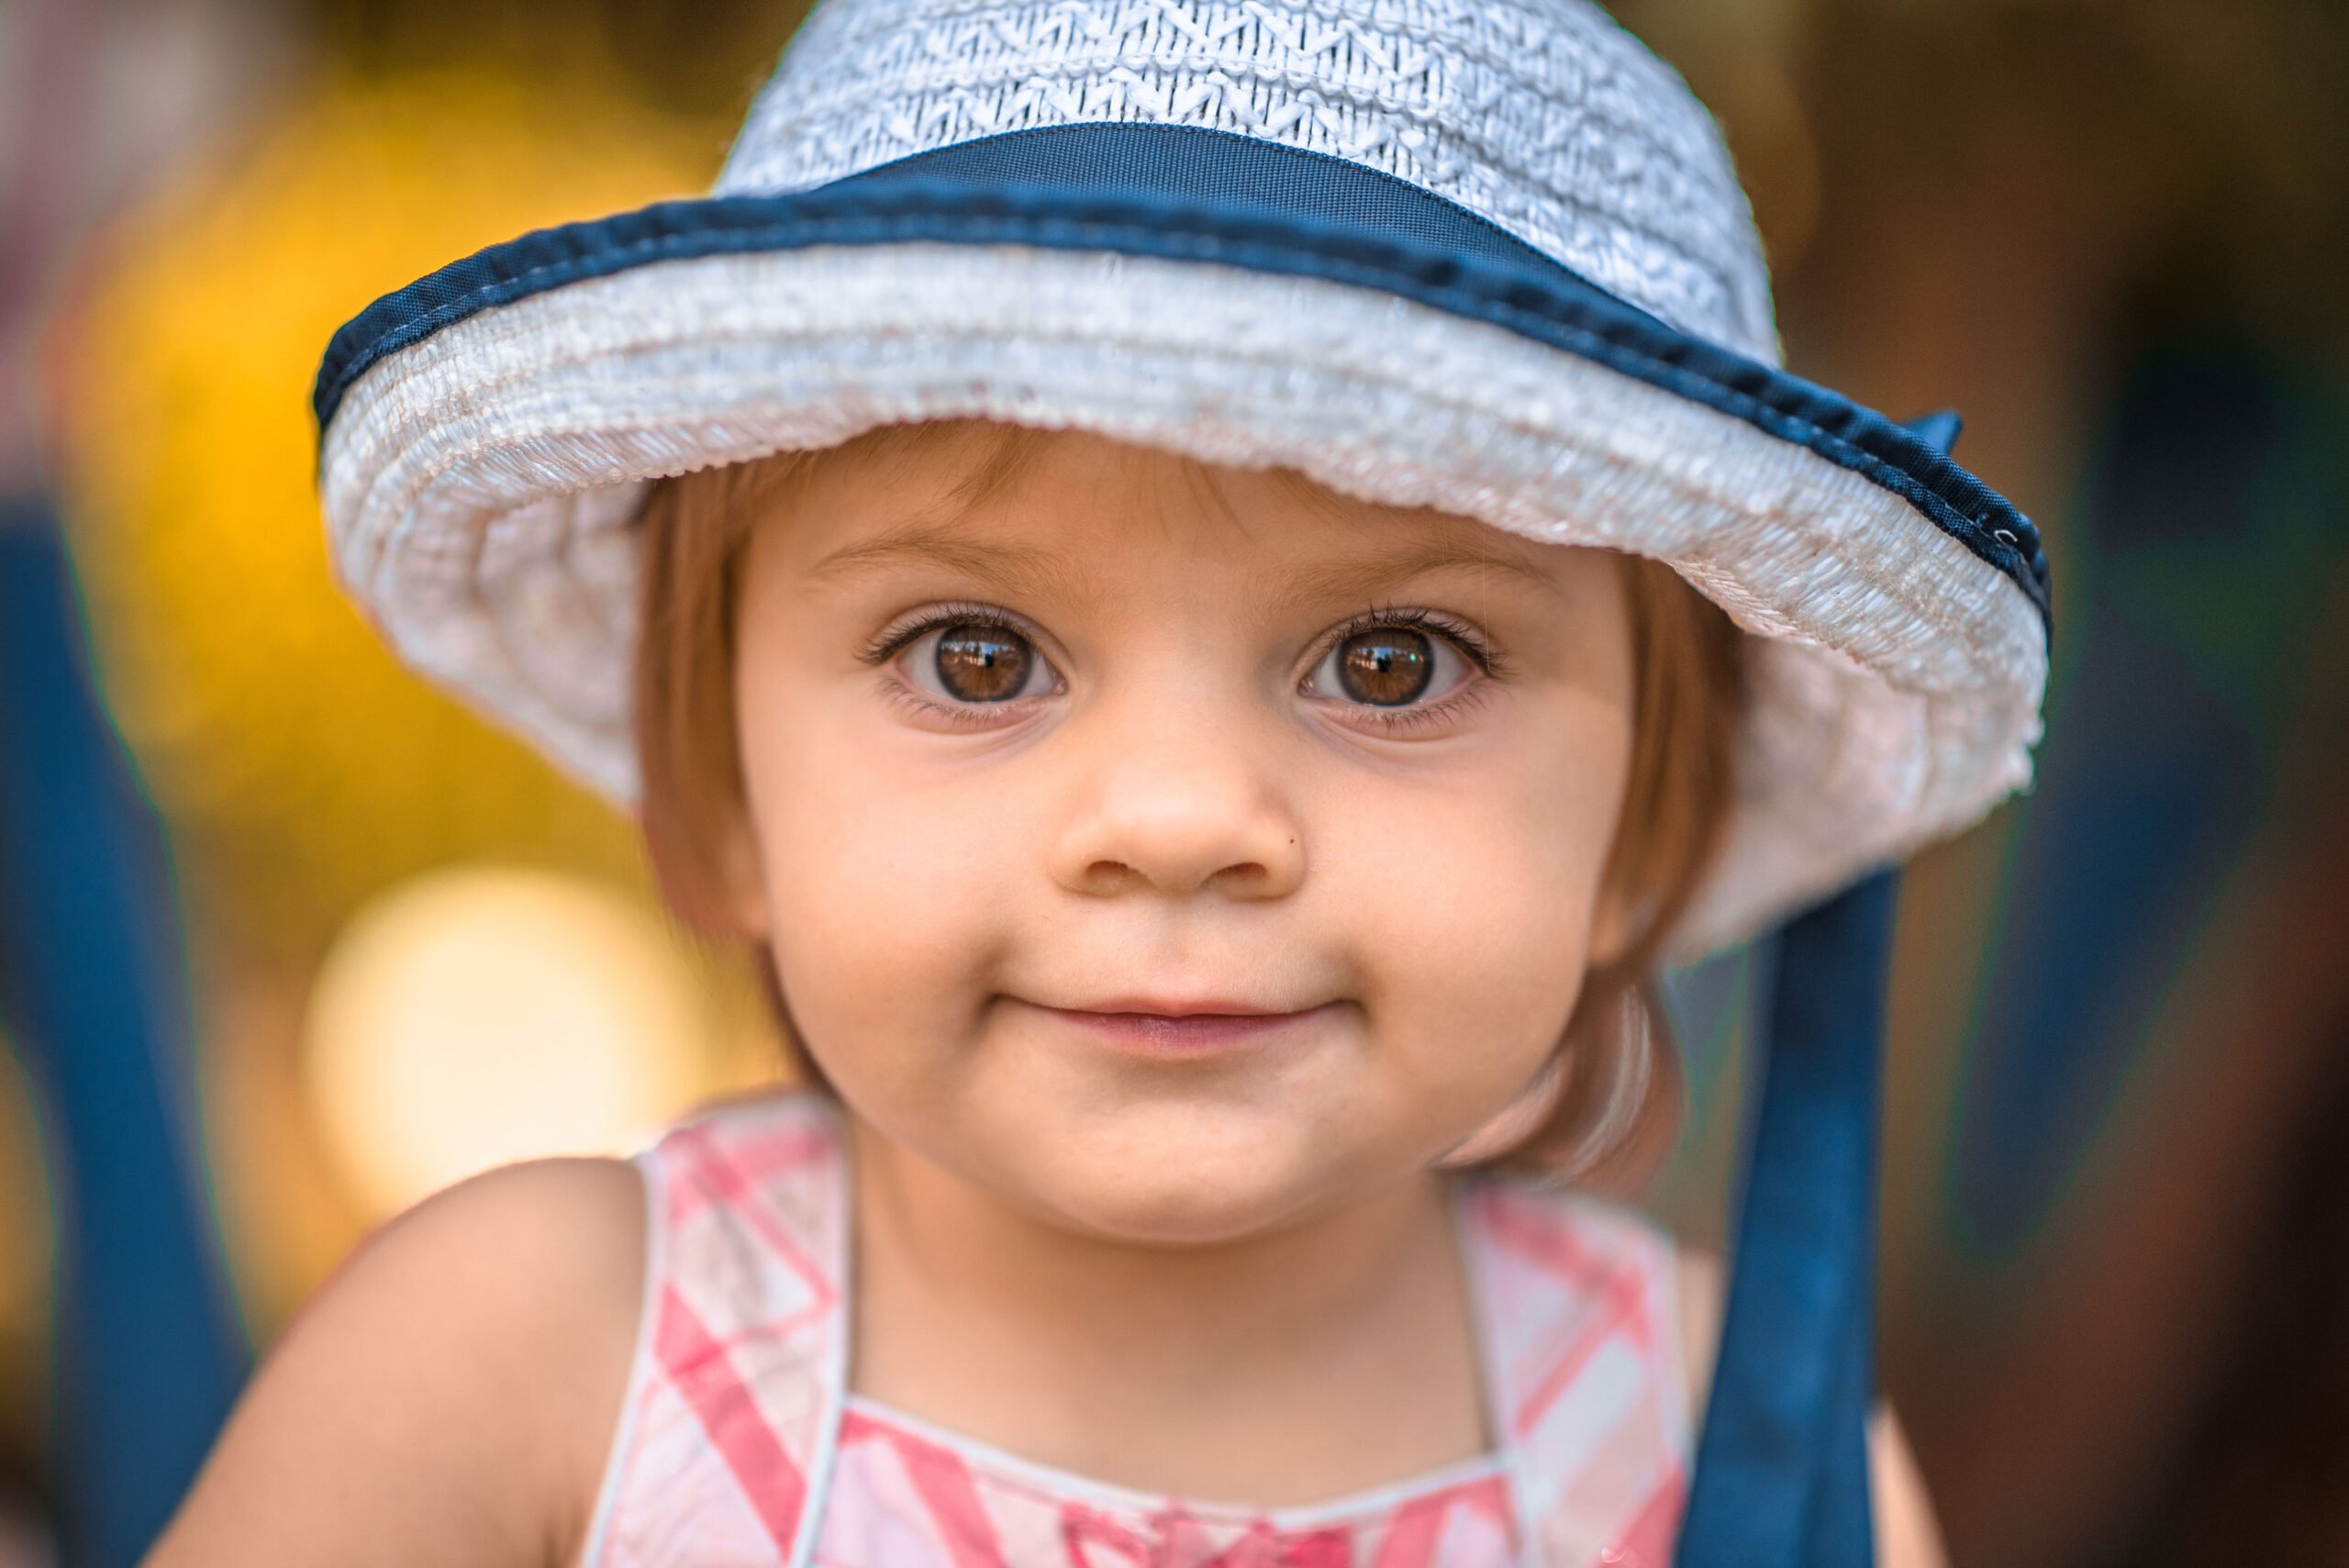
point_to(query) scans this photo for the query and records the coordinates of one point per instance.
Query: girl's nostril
(1106, 879)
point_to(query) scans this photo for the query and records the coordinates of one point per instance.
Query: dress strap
(732, 1424)
(1577, 1309)
(733, 1414)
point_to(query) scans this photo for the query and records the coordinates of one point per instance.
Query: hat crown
(1540, 115)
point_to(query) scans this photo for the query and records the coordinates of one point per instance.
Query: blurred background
(287, 940)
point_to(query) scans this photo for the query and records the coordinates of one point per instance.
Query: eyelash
(897, 636)
(1433, 623)
(1472, 645)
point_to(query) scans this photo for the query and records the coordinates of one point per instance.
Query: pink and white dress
(740, 1447)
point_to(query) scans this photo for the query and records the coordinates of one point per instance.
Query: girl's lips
(1208, 1032)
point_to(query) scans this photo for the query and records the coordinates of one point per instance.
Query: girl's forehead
(950, 491)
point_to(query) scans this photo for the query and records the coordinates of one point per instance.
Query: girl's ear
(1610, 927)
(742, 881)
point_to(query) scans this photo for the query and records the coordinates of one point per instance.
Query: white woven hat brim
(481, 486)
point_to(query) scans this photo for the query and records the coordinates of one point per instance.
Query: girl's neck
(1334, 1356)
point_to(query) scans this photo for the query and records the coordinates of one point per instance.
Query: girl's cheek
(887, 893)
(1497, 976)
(1485, 914)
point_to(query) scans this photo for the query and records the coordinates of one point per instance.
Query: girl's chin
(1193, 1198)
(1186, 1219)
(1204, 1166)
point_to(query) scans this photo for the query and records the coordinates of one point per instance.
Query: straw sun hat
(1485, 255)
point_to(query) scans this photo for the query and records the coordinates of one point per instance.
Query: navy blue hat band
(1190, 194)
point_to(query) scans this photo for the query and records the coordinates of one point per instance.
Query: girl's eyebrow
(1369, 575)
(1010, 566)
(1021, 569)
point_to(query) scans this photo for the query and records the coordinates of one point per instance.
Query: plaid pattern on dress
(740, 1448)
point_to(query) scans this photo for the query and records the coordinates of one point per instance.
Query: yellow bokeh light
(479, 1015)
(302, 769)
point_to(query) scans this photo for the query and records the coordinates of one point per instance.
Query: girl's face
(1173, 852)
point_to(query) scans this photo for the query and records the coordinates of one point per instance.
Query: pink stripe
(1620, 1296)
(1185, 1539)
(1546, 1240)
(1082, 1527)
(859, 1428)
(945, 1484)
(1318, 1549)
(1417, 1533)
(699, 1369)
(732, 1186)
(1490, 1497)
(772, 1153)
(1536, 1237)
(1542, 1240)
(1648, 1542)
(1411, 1540)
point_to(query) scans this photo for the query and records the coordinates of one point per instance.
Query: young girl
(1182, 612)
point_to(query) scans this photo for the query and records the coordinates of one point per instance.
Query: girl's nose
(1181, 813)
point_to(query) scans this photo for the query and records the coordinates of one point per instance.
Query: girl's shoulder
(475, 1350)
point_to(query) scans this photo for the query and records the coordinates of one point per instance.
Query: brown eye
(1385, 666)
(983, 663)
(1392, 665)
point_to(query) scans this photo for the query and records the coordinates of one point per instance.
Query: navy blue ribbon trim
(1188, 193)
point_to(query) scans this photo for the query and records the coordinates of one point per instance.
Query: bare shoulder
(449, 1395)
(1699, 1285)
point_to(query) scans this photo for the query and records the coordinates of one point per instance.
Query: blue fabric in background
(149, 1351)
(1781, 1477)
(2216, 515)
(1781, 1474)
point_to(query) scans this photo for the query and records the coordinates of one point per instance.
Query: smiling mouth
(1192, 1033)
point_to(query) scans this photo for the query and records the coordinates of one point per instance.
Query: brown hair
(1611, 1092)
